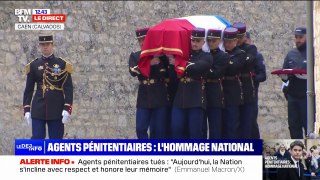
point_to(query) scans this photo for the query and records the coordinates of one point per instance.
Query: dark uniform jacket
(54, 88)
(171, 80)
(296, 59)
(232, 89)
(260, 70)
(291, 173)
(247, 72)
(213, 86)
(191, 89)
(152, 92)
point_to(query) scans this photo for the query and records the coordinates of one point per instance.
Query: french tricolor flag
(172, 36)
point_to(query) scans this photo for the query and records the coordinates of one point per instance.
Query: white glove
(301, 76)
(283, 76)
(189, 64)
(66, 117)
(27, 118)
(284, 85)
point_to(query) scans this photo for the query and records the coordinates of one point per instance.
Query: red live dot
(72, 162)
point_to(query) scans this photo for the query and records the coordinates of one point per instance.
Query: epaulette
(69, 66)
(27, 67)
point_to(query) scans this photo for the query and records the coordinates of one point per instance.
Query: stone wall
(98, 39)
(316, 29)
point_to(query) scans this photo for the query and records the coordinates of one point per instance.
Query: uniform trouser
(205, 125)
(255, 134)
(186, 123)
(246, 120)
(55, 129)
(230, 122)
(297, 116)
(154, 118)
(214, 117)
(168, 122)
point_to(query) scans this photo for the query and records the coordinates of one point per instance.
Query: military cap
(241, 28)
(300, 31)
(198, 33)
(230, 33)
(140, 33)
(45, 38)
(213, 33)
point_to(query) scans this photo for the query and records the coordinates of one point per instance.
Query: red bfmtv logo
(53, 18)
